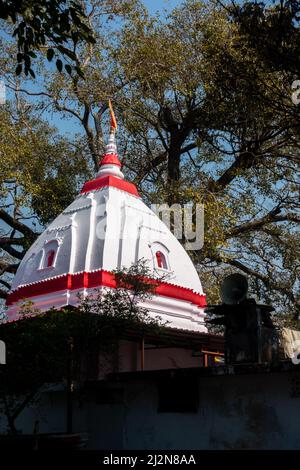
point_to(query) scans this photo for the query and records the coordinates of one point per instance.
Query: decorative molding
(84, 280)
(71, 211)
(110, 181)
(57, 229)
(110, 159)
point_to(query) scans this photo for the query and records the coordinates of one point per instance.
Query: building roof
(108, 227)
(214, 371)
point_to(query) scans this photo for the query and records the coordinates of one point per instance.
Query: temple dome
(108, 226)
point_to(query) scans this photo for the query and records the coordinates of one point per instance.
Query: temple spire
(110, 163)
(113, 121)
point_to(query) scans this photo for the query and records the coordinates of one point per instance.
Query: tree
(47, 25)
(202, 113)
(41, 347)
(36, 166)
(56, 174)
(272, 30)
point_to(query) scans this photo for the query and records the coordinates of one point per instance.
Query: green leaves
(45, 22)
(122, 305)
(19, 69)
(206, 115)
(272, 31)
(38, 347)
(68, 69)
(50, 54)
(59, 65)
(44, 165)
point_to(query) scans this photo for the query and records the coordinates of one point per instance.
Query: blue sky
(154, 5)
(71, 126)
(68, 125)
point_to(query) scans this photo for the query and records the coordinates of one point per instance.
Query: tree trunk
(173, 171)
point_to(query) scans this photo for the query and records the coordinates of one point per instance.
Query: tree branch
(244, 161)
(11, 251)
(90, 135)
(188, 147)
(269, 218)
(4, 283)
(267, 281)
(3, 294)
(17, 225)
(61, 107)
(12, 241)
(24, 403)
(7, 242)
(8, 267)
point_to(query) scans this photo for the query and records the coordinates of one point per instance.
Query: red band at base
(97, 279)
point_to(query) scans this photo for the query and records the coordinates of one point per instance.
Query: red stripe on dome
(110, 159)
(98, 279)
(113, 181)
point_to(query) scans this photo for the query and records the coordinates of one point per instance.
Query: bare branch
(8, 267)
(267, 281)
(17, 225)
(257, 224)
(12, 241)
(11, 251)
(29, 93)
(244, 161)
(4, 283)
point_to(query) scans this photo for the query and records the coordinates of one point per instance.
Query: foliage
(45, 23)
(205, 117)
(211, 126)
(38, 164)
(40, 173)
(286, 321)
(36, 354)
(134, 286)
(272, 31)
(38, 345)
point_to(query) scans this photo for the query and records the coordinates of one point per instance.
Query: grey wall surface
(252, 411)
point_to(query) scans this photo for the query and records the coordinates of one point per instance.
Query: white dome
(107, 227)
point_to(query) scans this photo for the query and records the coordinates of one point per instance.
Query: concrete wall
(239, 412)
(251, 411)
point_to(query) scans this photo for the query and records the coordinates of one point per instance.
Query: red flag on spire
(113, 121)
